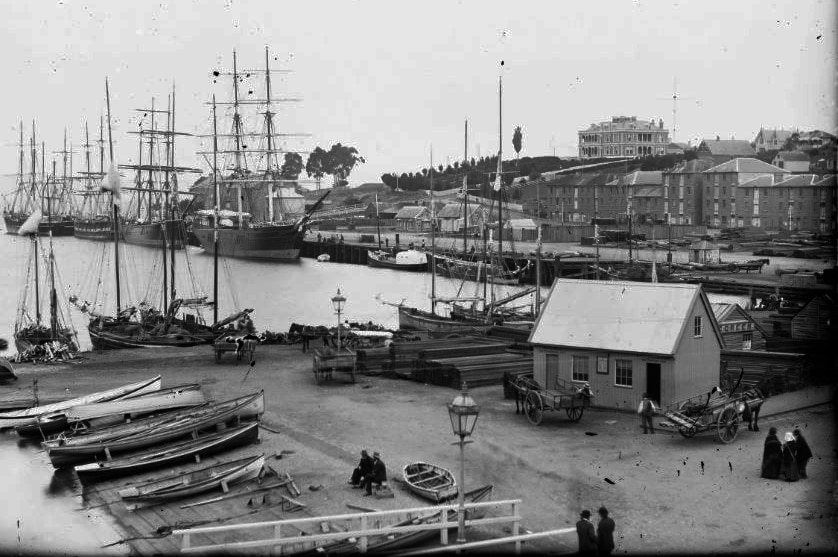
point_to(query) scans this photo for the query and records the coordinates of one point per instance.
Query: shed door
(552, 370)
(653, 381)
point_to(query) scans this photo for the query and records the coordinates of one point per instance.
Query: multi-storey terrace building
(719, 200)
(805, 202)
(682, 192)
(623, 136)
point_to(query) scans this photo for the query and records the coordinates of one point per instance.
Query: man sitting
(377, 476)
(364, 467)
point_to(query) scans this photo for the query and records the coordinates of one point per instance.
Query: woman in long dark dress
(772, 456)
(804, 453)
(789, 469)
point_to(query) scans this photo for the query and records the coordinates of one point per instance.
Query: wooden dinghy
(66, 451)
(191, 483)
(16, 418)
(430, 481)
(112, 412)
(169, 454)
(387, 544)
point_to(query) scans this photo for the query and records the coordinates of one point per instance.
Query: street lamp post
(463, 412)
(337, 302)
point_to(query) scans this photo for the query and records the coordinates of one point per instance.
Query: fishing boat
(169, 454)
(101, 414)
(34, 336)
(182, 484)
(407, 260)
(63, 452)
(16, 418)
(269, 220)
(182, 322)
(384, 545)
(430, 481)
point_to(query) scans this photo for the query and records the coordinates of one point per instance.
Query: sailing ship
(152, 216)
(269, 221)
(93, 220)
(33, 332)
(50, 198)
(144, 325)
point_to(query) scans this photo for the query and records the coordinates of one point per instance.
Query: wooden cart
(715, 411)
(327, 361)
(242, 347)
(537, 400)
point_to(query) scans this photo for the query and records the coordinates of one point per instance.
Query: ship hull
(99, 229)
(374, 259)
(412, 318)
(155, 234)
(58, 226)
(270, 243)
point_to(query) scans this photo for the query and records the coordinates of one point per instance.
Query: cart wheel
(728, 425)
(575, 413)
(218, 356)
(687, 432)
(533, 408)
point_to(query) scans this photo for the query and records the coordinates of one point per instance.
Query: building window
(697, 326)
(623, 377)
(580, 369)
(747, 338)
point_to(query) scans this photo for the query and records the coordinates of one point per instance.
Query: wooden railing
(368, 527)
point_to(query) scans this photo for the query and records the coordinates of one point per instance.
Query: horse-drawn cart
(537, 400)
(243, 346)
(328, 361)
(714, 411)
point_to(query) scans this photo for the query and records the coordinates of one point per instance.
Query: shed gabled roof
(456, 210)
(792, 156)
(728, 147)
(746, 164)
(410, 212)
(619, 316)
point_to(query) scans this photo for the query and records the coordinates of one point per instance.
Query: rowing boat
(191, 483)
(169, 454)
(102, 445)
(112, 412)
(16, 418)
(430, 481)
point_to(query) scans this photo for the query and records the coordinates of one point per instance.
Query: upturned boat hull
(272, 242)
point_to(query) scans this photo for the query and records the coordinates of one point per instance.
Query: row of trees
(338, 162)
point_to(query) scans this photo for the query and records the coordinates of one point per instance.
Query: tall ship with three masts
(260, 215)
(152, 216)
(48, 196)
(93, 219)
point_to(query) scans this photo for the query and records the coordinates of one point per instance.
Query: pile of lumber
(772, 372)
(486, 368)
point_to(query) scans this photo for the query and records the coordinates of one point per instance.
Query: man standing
(364, 467)
(378, 475)
(646, 411)
(586, 533)
(605, 532)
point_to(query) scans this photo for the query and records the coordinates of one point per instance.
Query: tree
(517, 136)
(389, 180)
(340, 161)
(291, 167)
(316, 164)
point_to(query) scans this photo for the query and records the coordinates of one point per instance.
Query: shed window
(623, 377)
(580, 369)
(747, 338)
(697, 326)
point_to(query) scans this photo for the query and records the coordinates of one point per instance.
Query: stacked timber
(398, 360)
(482, 368)
(772, 372)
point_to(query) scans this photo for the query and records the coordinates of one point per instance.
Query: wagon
(327, 361)
(242, 347)
(715, 411)
(537, 400)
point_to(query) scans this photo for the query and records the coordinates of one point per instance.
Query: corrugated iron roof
(648, 191)
(792, 156)
(746, 164)
(758, 182)
(691, 167)
(410, 212)
(619, 316)
(455, 210)
(800, 180)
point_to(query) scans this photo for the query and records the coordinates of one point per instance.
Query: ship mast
(433, 238)
(215, 216)
(114, 199)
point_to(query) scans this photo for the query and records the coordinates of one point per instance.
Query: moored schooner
(269, 220)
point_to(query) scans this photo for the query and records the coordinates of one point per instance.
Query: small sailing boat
(34, 335)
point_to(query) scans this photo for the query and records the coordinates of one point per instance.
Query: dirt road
(666, 494)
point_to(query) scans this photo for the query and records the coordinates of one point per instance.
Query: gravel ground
(667, 494)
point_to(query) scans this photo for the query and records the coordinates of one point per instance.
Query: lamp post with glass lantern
(463, 412)
(337, 302)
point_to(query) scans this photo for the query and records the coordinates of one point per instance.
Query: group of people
(595, 541)
(785, 459)
(370, 470)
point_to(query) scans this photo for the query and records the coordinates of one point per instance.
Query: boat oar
(167, 529)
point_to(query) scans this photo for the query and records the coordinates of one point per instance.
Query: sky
(397, 80)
